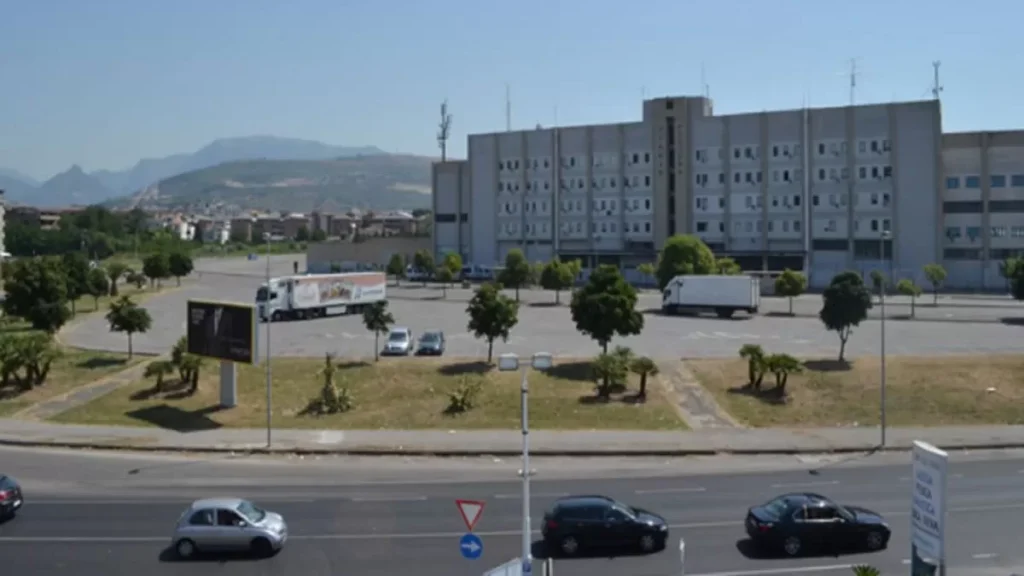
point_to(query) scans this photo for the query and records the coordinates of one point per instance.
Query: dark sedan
(10, 497)
(599, 523)
(431, 344)
(795, 523)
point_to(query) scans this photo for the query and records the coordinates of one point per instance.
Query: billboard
(928, 508)
(222, 331)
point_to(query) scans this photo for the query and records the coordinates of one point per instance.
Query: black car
(431, 344)
(10, 497)
(795, 523)
(598, 523)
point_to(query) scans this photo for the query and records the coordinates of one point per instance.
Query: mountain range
(254, 154)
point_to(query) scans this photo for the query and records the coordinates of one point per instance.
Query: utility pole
(936, 86)
(444, 130)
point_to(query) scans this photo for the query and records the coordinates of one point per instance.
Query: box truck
(318, 295)
(723, 295)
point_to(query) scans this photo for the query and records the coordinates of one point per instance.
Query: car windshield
(397, 337)
(429, 338)
(261, 295)
(776, 507)
(251, 512)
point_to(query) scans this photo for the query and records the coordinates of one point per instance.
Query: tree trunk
(178, 278)
(376, 346)
(842, 347)
(912, 305)
(96, 302)
(129, 345)
(790, 305)
(444, 291)
(558, 297)
(73, 312)
(935, 295)
(783, 377)
(113, 288)
(490, 349)
(517, 293)
(643, 386)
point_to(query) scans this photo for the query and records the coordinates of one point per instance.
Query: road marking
(806, 484)
(793, 570)
(532, 496)
(389, 499)
(984, 556)
(670, 490)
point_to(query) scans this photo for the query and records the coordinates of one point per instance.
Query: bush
(610, 373)
(463, 398)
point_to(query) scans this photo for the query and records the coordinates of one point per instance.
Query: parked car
(11, 498)
(796, 523)
(228, 524)
(598, 523)
(400, 342)
(431, 344)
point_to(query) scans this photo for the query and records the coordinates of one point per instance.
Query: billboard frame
(253, 331)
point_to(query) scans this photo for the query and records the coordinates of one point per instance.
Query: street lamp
(881, 299)
(269, 321)
(510, 363)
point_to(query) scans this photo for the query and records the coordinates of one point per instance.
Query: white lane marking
(792, 570)
(670, 490)
(805, 484)
(985, 556)
(390, 499)
(532, 496)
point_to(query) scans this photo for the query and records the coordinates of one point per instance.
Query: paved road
(401, 529)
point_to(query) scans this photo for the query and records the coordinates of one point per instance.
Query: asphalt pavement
(413, 528)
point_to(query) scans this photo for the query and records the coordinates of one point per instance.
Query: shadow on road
(752, 551)
(1013, 321)
(461, 368)
(541, 551)
(169, 555)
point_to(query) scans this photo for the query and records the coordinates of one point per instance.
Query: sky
(105, 83)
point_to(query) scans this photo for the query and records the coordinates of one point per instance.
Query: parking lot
(541, 327)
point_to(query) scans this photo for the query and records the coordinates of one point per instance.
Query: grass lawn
(404, 393)
(88, 304)
(933, 391)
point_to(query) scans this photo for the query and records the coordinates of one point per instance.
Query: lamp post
(881, 299)
(269, 321)
(510, 363)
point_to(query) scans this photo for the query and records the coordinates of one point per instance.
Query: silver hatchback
(228, 524)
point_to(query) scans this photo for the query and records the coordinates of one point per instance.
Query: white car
(228, 524)
(400, 342)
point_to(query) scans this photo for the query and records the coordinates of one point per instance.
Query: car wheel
(648, 543)
(875, 540)
(570, 546)
(261, 547)
(185, 549)
(792, 546)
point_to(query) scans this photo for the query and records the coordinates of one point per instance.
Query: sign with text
(222, 331)
(928, 502)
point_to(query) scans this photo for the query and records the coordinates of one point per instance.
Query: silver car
(400, 342)
(228, 524)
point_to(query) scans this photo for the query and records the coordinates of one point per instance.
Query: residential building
(821, 190)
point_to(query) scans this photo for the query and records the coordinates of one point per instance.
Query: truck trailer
(723, 295)
(319, 295)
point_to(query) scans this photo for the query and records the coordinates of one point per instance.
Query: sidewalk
(507, 443)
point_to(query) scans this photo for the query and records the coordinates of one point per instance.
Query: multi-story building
(822, 190)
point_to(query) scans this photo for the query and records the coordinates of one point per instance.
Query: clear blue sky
(103, 83)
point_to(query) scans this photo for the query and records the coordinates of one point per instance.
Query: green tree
(606, 306)
(782, 365)
(138, 279)
(683, 255)
(908, 288)
(789, 285)
(453, 262)
(878, 281)
(728, 267)
(128, 317)
(846, 302)
(492, 315)
(179, 264)
(116, 270)
(755, 357)
(556, 276)
(76, 274)
(158, 370)
(396, 267)
(302, 234)
(97, 284)
(377, 319)
(648, 269)
(423, 262)
(643, 367)
(865, 570)
(35, 353)
(156, 267)
(610, 373)
(936, 276)
(187, 365)
(444, 275)
(516, 272)
(37, 292)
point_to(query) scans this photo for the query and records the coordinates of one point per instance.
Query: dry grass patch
(403, 393)
(932, 391)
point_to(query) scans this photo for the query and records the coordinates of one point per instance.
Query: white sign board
(510, 568)
(928, 504)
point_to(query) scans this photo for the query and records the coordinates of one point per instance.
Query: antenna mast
(444, 130)
(937, 86)
(853, 81)
(704, 88)
(508, 108)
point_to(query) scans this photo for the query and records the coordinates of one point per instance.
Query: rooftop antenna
(444, 130)
(704, 88)
(643, 92)
(936, 86)
(508, 108)
(853, 81)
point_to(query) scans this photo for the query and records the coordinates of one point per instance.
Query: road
(545, 328)
(413, 527)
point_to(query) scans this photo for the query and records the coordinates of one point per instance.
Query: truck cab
(270, 301)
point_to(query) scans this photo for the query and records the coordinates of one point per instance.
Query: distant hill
(377, 182)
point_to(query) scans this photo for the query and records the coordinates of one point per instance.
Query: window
(972, 182)
(785, 176)
(501, 166)
(874, 199)
(647, 226)
(202, 518)
(796, 226)
(874, 225)
(758, 176)
(227, 518)
(874, 145)
(821, 174)
(721, 226)
(885, 225)
(647, 204)
(721, 178)
(736, 153)
(952, 182)
(814, 200)
(736, 178)
(750, 178)
(796, 200)
(647, 158)
(862, 147)
(998, 181)
(874, 171)
(721, 201)
(647, 180)
(1017, 180)
(821, 149)
(775, 151)
(887, 172)
(748, 152)
(546, 163)
(702, 226)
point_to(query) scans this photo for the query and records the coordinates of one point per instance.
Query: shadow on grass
(352, 364)
(461, 368)
(766, 394)
(828, 365)
(171, 389)
(581, 371)
(174, 418)
(101, 362)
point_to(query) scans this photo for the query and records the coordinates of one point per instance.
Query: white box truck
(723, 295)
(318, 295)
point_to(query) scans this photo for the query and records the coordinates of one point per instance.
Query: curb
(448, 453)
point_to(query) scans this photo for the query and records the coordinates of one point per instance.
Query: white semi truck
(723, 295)
(318, 295)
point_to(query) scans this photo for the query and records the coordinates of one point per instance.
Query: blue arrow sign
(471, 546)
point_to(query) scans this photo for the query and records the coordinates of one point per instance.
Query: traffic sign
(471, 511)
(471, 546)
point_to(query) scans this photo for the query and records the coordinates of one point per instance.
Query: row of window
(751, 201)
(602, 183)
(973, 233)
(642, 227)
(611, 206)
(569, 162)
(995, 181)
(751, 226)
(839, 200)
(864, 173)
